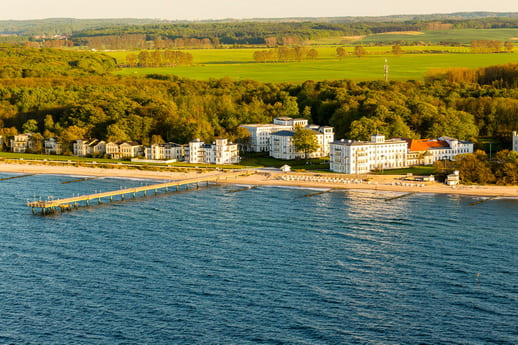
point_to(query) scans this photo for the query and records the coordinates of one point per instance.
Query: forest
(70, 99)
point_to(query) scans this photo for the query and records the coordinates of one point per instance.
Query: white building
(53, 147)
(21, 142)
(292, 123)
(282, 146)
(219, 152)
(360, 157)
(88, 147)
(428, 151)
(124, 149)
(169, 151)
(260, 134)
(515, 141)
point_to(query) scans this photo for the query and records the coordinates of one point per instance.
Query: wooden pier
(50, 206)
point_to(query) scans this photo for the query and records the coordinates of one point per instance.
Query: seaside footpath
(389, 183)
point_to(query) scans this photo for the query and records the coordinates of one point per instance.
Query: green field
(463, 36)
(405, 67)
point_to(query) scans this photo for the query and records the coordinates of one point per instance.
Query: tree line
(285, 54)
(157, 58)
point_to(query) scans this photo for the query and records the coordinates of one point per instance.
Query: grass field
(217, 64)
(464, 36)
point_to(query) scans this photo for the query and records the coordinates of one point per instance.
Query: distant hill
(68, 26)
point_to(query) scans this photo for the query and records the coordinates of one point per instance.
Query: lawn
(260, 160)
(415, 170)
(370, 67)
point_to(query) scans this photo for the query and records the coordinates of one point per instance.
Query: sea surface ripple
(261, 266)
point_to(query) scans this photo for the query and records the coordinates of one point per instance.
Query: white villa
(359, 157)
(21, 142)
(515, 141)
(169, 151)
(277, 138)
(88, 147)
(53, 147)
(428, 151)
(219, 152)
(260, 134)
(282, 146)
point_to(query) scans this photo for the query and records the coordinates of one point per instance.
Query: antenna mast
(386, 68)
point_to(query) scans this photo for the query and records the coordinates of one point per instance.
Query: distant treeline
(285, 54)
(283, 33)
(154, 34)
(158, 58)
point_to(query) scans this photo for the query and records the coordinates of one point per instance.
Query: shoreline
(272, 178)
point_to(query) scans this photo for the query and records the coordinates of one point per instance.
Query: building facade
(360, 157)
(169, 151)
(21, 143)
(515, 141)
(283, 147)
(260, 134)
(429, 151)
(219, 152)
(53, 147)
(89, 147)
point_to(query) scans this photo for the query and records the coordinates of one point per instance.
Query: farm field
(370, 67)
(463, 36)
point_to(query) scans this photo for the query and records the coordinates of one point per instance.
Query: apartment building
(360, 157)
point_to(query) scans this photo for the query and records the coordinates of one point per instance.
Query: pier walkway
(49, 206)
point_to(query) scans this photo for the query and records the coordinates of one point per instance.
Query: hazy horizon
(232, 9)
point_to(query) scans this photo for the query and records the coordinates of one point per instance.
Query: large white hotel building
(277, 138)
(360, 157)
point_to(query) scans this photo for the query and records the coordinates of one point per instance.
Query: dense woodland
(74, 96)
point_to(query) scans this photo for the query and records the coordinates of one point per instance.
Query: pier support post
(33, 210)
(197, 185)
(145, 193)
(134, 196)
(87, 203)
(111, 198)
(177, 188)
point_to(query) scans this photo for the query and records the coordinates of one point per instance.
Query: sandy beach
(393, 183)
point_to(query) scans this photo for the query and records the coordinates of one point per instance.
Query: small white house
(285, 168)
(453, 179)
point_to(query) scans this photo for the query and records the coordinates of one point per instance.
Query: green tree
(474, 168)
(31, 126)
(37, 143)
(305, 140)
(397, 50)
(359, 51)
(340, 52)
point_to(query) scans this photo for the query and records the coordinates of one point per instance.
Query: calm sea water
(264, 266)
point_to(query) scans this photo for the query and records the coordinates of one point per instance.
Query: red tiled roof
(425, 144)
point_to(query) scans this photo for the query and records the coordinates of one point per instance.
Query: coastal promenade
(48, 206)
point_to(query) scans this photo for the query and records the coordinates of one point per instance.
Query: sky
(239, 9)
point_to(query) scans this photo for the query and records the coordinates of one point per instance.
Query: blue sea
(260, 266)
